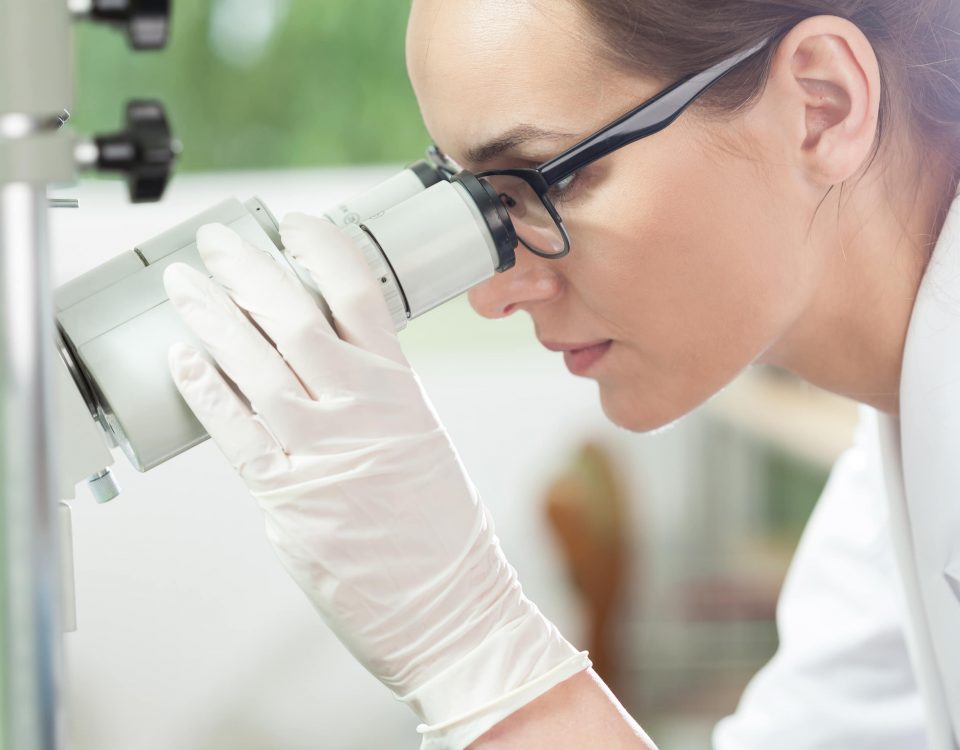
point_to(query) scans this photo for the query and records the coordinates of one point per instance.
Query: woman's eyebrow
(511, 139)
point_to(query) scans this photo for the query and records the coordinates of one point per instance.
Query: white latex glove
(365, 499)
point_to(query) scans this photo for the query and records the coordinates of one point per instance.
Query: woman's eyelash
(564, 187)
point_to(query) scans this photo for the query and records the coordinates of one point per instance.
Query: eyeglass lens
(532, 220)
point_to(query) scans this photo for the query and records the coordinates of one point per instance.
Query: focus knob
(147, 22)
(144, 152)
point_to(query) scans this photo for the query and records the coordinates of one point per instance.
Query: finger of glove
(343, 277)
(246, 357)
(239, 433)
(277, 302)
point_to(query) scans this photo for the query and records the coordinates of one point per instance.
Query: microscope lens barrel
(414, 179)
(438, 245)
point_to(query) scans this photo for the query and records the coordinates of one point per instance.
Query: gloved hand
(365, 498)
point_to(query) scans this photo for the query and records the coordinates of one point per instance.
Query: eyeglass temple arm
(651, 117)
(441, 161)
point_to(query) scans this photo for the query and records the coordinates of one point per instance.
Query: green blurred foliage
(328, 86)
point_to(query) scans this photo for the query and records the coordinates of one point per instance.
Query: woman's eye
(563, 189)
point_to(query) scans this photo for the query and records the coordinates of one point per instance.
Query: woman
(798, 214)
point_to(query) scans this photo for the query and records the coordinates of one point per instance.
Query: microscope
(427, 237)
(84, 366)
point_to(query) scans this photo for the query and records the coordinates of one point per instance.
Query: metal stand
(28, 506)
(36, 93)
(36, 84)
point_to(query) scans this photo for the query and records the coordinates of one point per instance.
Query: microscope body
(115, 325)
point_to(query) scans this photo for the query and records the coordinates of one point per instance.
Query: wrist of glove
(365, 499)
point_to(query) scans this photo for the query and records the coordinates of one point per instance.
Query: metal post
(29, 594)
(36, 85)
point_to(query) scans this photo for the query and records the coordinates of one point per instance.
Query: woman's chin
(638, 414)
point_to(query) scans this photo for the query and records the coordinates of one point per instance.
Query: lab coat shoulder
(925, 439)
(842, 677)
(869, 617)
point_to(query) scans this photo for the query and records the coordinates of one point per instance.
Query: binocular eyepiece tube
(426, 239)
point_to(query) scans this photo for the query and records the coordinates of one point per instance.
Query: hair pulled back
(917, 43)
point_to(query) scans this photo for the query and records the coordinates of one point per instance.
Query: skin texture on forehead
(510, 62)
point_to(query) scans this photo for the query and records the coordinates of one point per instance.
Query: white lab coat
(869, 617)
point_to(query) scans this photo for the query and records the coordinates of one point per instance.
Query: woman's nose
(531, 281)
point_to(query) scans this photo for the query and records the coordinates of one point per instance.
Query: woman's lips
(580, 358)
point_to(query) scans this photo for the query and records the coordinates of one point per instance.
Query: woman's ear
(824, 96)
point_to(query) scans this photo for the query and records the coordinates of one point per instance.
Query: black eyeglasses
(526, 192)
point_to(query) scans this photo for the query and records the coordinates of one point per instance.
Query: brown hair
(917, 43)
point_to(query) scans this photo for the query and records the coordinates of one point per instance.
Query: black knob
(147, 22)
(145, 151)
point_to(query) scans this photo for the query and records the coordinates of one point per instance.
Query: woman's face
(687, 252)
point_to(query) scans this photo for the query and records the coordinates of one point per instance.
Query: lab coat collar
(929, 427)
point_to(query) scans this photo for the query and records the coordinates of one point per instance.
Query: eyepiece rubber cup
(494, 215)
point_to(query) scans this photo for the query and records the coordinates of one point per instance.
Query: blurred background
(663, 554)
(265, 83)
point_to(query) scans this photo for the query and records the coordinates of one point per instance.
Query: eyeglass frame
(645, 120)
